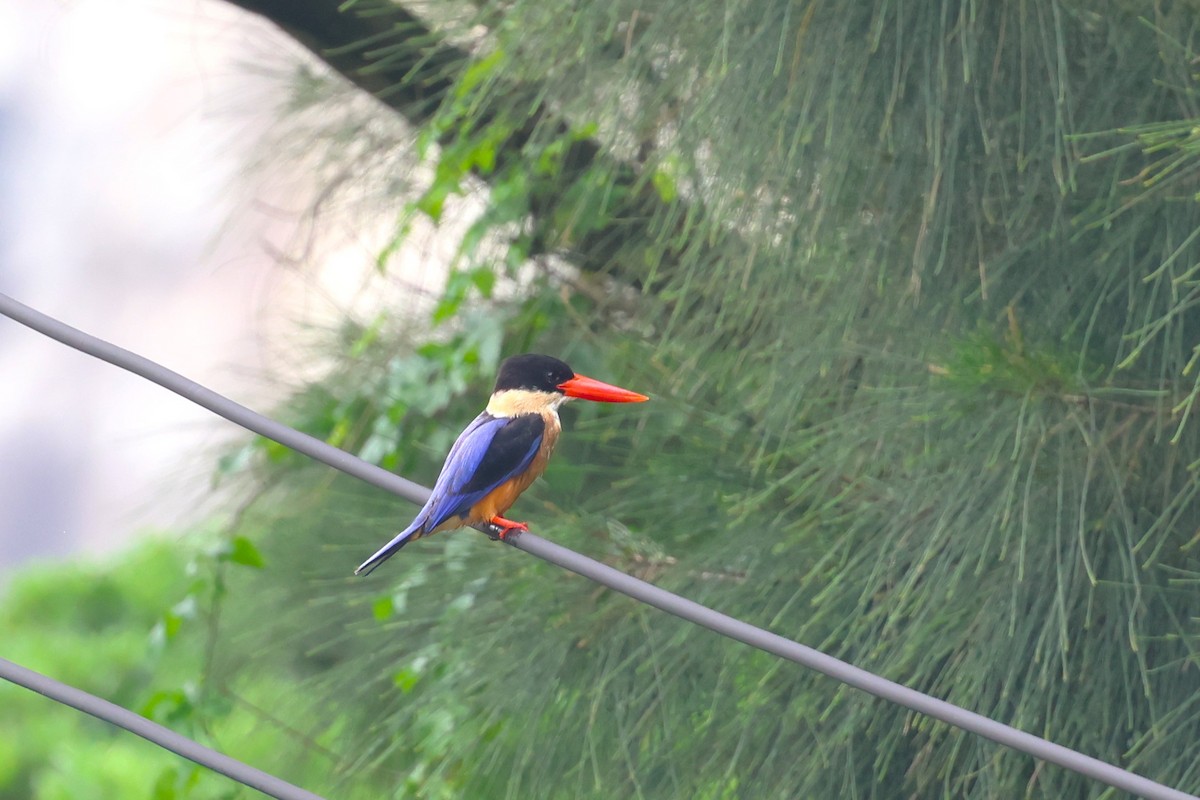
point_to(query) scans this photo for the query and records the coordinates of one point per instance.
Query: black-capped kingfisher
(503, 450)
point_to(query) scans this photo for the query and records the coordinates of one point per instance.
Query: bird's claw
(507, 526)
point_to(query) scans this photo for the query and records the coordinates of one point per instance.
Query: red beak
(591, 389)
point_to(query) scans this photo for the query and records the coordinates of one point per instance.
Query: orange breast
(500, 499)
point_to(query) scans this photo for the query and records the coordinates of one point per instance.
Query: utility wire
(163, 737)
(601, 573)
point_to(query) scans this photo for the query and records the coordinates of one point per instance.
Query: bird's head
(533, 382)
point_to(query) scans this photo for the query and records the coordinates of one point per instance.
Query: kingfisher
(503, 450)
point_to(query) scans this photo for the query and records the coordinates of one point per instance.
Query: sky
(129, 209)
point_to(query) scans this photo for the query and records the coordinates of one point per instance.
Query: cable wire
(607, 576)
(163, 737)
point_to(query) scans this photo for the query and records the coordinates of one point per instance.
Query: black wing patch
(511, 452)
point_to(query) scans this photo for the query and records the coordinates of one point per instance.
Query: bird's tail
(388, 550)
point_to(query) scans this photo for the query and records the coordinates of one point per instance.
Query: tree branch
(392, 54)
(378, 46)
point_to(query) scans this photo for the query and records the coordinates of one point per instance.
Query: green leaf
(337, 435)
(275, 451)
(474, 234)
(585, 131)
(403, 229)
(478, 72)
(433, 200)
(164, 785)
(458, 285)
(383, 608)
(549, 161)
(484, 280)
(405, 680)
(664, 184)
(446, 308)
(483, 155)
(242, 551)
(165, 704)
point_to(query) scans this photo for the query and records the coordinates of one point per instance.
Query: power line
(163, 737)
(601, 573)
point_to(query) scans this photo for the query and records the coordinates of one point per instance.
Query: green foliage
(921, 341)
(983, 364)
(921, 398)
(139, 633)
(87, 627)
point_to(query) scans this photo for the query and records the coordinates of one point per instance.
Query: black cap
(532, 372)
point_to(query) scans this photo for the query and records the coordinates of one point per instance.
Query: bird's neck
(514, 402)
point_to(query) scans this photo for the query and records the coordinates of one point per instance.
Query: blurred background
(125, 130)
(139, 203)
(914, 288)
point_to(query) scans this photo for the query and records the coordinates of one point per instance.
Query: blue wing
(490, 451)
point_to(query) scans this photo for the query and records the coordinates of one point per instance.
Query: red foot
(507, 526)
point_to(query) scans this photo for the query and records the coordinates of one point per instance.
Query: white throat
(512, 402)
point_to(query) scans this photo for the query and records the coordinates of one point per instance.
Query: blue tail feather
(391, 548)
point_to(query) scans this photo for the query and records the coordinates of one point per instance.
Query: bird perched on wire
(503, 450)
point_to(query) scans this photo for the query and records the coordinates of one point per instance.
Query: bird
(503, 450)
